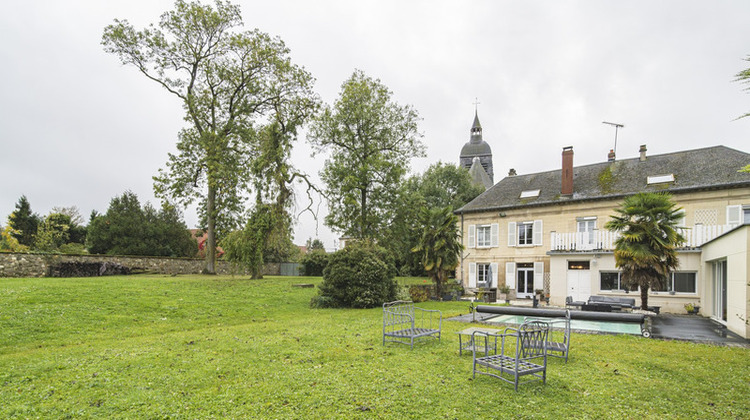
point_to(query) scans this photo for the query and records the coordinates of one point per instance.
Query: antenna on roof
(617, 126)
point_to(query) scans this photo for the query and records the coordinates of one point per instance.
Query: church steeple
(477, 148)
(476, 129)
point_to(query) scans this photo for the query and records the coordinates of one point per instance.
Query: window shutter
(512, 234)
(734, 215)
(510, 275)
(538, 238)
(472, 242)
(495, 232)
(538, 275)
(472, 274)
(493, 278)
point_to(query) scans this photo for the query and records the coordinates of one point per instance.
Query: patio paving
(693, 328)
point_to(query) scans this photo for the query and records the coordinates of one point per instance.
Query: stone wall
(37, 265)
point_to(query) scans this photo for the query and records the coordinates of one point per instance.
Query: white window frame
(533, 231)
(525, 233)
(659, 179)
(484, 236)
(483, 270)
(486, 275)
(530, 193)
(621, 287)
(586, 225)
(670, 283)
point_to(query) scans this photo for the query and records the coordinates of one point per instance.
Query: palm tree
(646, 249)
(439, 244)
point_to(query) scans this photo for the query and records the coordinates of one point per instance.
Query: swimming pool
(577, 324)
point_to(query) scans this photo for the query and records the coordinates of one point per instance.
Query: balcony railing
(695, 236)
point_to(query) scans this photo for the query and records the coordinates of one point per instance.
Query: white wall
(689, 261)
(735, 248)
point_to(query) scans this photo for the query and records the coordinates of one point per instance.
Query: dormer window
(660, 179)
(530, 193)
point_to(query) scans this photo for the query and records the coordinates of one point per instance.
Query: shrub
(419, 293)
(359, 276)
(314, 263)
(320, 302)
(72, 248)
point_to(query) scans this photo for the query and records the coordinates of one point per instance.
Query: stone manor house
(545, 230)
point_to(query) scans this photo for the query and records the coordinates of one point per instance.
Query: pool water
(577, 324)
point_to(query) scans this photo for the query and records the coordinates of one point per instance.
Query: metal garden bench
(403, 322)
(527, 357)
(558, 338)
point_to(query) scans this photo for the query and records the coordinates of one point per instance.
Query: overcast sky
(77, 128)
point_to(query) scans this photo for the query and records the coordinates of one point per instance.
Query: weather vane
(617, 126)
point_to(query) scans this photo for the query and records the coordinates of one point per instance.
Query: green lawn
(222, 347)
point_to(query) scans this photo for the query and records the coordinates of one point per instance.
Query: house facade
(545, 231)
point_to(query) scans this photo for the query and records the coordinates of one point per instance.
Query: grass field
(222, 347)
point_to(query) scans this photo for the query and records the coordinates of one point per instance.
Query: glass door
(720, 290)
(525, 283)
(586, 229)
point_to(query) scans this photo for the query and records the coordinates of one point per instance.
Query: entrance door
(720, 290)
(579, 280)
(525, 280)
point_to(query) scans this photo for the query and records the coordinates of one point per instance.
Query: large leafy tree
(444, 184)
(231, 85)
(24, 222)
(267, 234)
(646, 249)
(74, 220)
(8, 241)
(441, 185)
(439, 243)
(53, 232)
(371, 140)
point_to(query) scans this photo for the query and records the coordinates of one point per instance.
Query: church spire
(476, 129)
(477, 148)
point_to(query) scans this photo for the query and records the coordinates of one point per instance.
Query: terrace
(604, 240)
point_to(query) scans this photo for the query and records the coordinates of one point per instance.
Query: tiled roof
(708, 168)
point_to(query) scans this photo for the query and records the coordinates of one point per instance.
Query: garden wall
(37, 265)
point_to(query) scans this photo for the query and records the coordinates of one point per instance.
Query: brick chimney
(643, 152)
(567, 171)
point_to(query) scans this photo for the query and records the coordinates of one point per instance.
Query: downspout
(462, 251)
